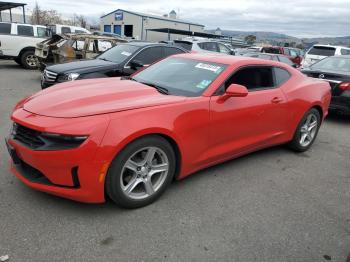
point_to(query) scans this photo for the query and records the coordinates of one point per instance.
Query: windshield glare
(333, 64)
(184, 77)
(118, 53)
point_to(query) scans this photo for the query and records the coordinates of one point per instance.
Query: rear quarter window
(5, 28)
(281, 76)
(322, 51)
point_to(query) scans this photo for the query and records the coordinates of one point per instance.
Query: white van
(67, 29)
(318, 52)
(18, 41)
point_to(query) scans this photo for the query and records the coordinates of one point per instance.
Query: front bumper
(74, 174)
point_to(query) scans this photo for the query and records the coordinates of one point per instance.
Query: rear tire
(306, 131)
(28, 60)
(141, 172)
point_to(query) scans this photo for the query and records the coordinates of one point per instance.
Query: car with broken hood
(62, 48)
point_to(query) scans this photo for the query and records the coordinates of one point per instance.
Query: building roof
(154, 17)
(9, 5)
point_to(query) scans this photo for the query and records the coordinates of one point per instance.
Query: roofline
(152, 16)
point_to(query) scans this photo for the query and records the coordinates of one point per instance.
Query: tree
(79, 20)
(250, 39)
(45, 17)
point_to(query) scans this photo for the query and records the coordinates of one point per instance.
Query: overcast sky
(301, 18)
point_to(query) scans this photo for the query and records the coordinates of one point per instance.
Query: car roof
(334, 46)
(143, 44)
(226, 59)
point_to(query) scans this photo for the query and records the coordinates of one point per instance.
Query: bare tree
(45, 17)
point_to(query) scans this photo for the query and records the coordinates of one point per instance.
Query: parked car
(69, 47)
(274, 57)
(289, 52)
(18, 41)
(121, 60)
(128, 139)
(243, 51)
(318, 52)
(336, 71)
(67, 29)
(204, 46)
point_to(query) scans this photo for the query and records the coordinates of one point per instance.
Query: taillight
(344, 86)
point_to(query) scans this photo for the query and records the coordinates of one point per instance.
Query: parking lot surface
(273, 205)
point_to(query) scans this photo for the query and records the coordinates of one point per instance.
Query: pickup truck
(18, 42)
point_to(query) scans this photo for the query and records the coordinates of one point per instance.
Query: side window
(254, 78)
(149, 55)
(42, 32)
(285, 60)
(25, 30)
(65, 30)
(5, 28)
(209, 46)
(345, 52)
(79, 31)
(224, 49)
(172, 51)
(286, 51)
(293, 53)
(281, 76)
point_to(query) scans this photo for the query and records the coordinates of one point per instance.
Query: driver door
(242, 124)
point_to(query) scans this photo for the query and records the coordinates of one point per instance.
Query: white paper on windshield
(209, 67)
(126, 53)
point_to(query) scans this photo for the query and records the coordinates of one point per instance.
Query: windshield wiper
(104, 59)
(160, 89)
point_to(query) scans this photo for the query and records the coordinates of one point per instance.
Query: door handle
(276, 100)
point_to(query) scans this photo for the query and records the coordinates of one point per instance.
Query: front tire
(141, 172)
(28, 60)
(306, 131)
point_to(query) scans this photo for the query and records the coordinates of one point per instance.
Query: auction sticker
(209, 67)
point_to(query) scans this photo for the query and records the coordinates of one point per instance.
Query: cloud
(294, 17)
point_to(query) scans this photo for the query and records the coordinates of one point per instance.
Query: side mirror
(135, 64)
(235, 90)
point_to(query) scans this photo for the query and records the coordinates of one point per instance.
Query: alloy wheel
(144, 173)
(308, 130)
(31, 60)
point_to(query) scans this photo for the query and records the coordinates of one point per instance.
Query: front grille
(50, 76)
(27, 136)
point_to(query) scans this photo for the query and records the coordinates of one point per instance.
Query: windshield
(333, 64)
(118, 53)
(322, 51)
(184, 77)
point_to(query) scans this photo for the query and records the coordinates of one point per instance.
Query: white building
(139, 25)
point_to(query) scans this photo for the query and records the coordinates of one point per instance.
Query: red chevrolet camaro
(129, 138)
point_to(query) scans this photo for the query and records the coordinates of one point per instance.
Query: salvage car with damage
(62, 48)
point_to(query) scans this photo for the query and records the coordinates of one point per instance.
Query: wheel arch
(28, 48)
(165, 134)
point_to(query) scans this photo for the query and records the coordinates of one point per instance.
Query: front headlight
(60, 142)
(72, 76)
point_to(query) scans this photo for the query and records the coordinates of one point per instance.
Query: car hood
(95, 96)
(81, 66)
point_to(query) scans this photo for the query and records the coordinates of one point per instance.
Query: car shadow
(338, 118)
(110, 208)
